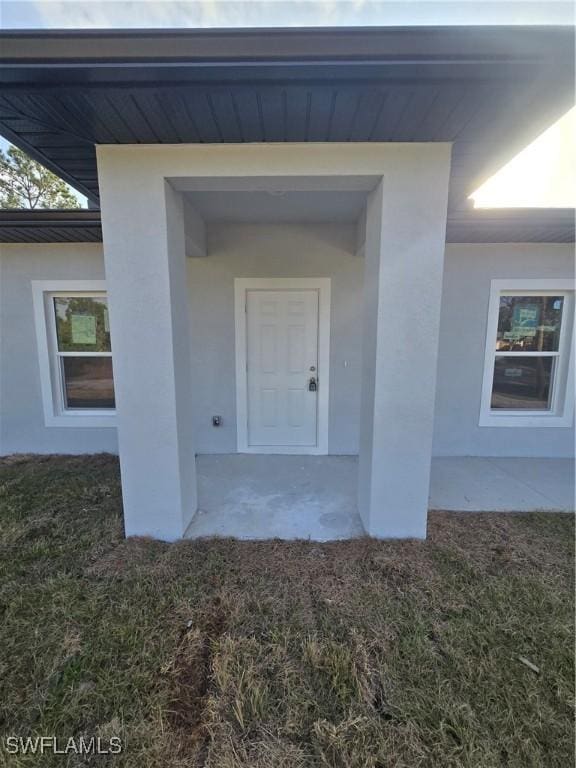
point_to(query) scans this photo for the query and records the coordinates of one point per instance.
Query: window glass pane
(82, 323)
(88, 382)
(522, 383)
(529, 323)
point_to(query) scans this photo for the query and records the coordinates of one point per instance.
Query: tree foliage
(24, 183)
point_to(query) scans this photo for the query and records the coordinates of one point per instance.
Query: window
(528, 371)
(73, 335)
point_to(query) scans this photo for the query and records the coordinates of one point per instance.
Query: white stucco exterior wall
(148, 303)
(325, 250)
(285, 250)
(249, 250)
(22, 428)
(243, 250)
(465, 295)
(404, 261)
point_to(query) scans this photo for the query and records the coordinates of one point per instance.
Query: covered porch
(315, 497)
(252, 316)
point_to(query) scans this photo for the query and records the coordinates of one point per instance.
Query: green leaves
(24, 183)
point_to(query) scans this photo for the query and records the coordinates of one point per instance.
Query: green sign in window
(525, 318)
(83, 329)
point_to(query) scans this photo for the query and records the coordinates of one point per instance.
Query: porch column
(144, 252)
(405, 241)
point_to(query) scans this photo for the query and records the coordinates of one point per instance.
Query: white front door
(282, 359)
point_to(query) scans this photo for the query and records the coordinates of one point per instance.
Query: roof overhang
(489, 90)
(472, 226)
(75, 225)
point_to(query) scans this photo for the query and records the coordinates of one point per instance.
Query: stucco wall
(466, 291)
(273, 251)
(280, 251)
(22, 427)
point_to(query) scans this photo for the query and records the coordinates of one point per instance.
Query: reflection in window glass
(522, 383)
(88, 382)
(82, 323)
(529, 323)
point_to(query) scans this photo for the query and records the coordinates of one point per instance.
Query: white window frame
(561, 411)
(55, 412)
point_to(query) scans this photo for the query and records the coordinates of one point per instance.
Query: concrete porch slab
(286, 497)
(314, 497)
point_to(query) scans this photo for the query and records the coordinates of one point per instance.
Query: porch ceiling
(279, 207)
(488, 90)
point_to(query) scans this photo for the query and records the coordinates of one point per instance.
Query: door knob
(312, 385)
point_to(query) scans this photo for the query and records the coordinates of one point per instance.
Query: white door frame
(322, 285)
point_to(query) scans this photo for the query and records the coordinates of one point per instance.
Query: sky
(88, 14)
(543, 175)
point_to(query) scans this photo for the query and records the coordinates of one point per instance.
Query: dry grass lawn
(227, 654)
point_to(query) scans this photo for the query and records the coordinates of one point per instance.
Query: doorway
(282, 364)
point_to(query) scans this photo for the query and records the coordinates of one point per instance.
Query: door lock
(312, 384)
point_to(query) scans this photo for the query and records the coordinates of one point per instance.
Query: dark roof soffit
(52, 216)
(63, 91)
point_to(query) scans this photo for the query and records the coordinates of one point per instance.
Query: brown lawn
(221, 654)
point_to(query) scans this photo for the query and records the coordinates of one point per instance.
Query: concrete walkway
(470, 484)
(314, 497)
